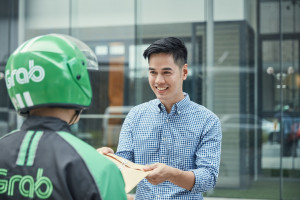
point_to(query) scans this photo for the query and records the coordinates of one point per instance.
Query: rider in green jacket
(48, 83)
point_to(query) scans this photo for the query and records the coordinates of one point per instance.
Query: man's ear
(184, 71)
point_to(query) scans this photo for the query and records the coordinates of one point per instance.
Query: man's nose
(159, 79)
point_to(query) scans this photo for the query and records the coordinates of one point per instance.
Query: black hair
(170, 45)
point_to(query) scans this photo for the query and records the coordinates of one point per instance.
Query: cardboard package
(132, 173)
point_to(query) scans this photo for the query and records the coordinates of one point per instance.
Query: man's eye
(152, 72)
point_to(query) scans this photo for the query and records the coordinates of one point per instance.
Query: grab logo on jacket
(28, 186)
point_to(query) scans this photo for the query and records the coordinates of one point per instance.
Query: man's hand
(161, 172)
(130, 197)
(105, 150)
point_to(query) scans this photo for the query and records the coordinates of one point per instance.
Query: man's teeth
(161, 88)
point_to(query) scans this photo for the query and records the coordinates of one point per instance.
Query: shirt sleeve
(208, 157)
(125, 146)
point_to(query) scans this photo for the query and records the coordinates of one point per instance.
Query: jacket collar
(45, 123)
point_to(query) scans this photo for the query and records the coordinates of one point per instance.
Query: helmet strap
(75, 117)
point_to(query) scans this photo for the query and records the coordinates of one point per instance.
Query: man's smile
(161, 89)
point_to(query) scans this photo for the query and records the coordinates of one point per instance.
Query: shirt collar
(178, 107)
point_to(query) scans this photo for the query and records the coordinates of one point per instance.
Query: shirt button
(167, 120)
(162, 158)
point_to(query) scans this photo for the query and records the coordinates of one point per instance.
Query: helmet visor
(92, 62)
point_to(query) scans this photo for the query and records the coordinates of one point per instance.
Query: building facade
(243, 65)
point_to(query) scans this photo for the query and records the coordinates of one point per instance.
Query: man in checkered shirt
(178, 140)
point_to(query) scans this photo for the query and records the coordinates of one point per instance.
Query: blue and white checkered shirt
(187, 138)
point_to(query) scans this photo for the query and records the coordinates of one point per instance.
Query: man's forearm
(184, 179)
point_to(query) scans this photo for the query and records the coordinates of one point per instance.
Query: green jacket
(43, 160)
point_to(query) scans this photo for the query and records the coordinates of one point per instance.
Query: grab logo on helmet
(36, 73)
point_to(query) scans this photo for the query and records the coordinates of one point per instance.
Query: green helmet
(50, 71)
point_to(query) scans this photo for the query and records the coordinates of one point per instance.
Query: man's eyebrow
(165, 68)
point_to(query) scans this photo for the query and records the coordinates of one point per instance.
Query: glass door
(280, 108)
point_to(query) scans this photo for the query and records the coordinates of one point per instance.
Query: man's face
(166, 78)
